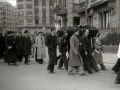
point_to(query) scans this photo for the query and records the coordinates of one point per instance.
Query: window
(43, 1)
(19, 0)
(29, 6)
(20, 14)
(29, 21)
(51, 14)
(20, 6)
(44, 14)
(44, 21)
(28, 0)
(76, 1)
(51, 7)
(36, 21)
(51, 21)
(21, 22)
(29, 13)
(43, 7)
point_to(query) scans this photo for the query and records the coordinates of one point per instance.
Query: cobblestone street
(36, 77)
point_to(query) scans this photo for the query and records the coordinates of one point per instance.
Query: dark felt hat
(26, 31)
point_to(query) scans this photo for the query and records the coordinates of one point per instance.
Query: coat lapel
(76, 39)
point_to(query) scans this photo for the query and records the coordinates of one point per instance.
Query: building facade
(100, 13)
(1, 14)
(8, 16)
(33, 15)
(66, 12)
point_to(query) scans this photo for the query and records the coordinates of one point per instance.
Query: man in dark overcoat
(87, 54)
(63, 48)
(19, 46)
(2, 45)
(51, 43)
(11, 56)
(26, 46)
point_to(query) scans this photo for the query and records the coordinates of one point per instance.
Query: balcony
(75, 8)
(82, 7)
(60, 11)
(97, 3)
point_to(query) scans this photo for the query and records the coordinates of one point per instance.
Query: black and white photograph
(59, 44)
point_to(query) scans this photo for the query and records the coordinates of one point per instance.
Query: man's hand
(9, 47)
(86, 53)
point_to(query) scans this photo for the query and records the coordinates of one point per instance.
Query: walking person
(11, 56)
(63, 48)
(97, 53)
(75, 57)
(88, 59)
(19, 46)
(40, 45)
(26, 46)
(117, 64)
(51, 43)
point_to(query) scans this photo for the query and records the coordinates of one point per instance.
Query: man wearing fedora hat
(26, 46)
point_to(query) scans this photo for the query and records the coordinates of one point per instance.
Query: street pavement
(36, 77)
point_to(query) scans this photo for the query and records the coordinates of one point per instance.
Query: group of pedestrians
(80, 55)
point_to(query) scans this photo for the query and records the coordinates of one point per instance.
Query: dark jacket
(26, 45)
(85, 43)
(51, 43)
(62, 44)
(19, 45)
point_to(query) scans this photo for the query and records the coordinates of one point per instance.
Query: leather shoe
(116, 82)
(60, 68)
(27, 63)
(15, 64)
(83, 74)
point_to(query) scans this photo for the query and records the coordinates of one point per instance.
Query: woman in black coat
(26, 46)
(11, 55)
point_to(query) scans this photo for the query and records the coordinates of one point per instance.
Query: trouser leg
(116, 66)
(86, 63)
(26, 58)
(118, 76)
(64, 59)
(70, 69)
(81, 70)
(60, 63)
(92, 61)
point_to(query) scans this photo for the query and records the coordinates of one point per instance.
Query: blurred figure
(26, 46)
(40, 45)
(51, 43)
(63, 48)
(2, 45)
(11, 55)
(97, 53)
(19, 46)
(88, 58)
(33, 46)
(75, 57)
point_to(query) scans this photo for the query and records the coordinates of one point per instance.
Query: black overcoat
(2, 45)
(19, 45)
(10, 53)
(51, 43)
(26, 45)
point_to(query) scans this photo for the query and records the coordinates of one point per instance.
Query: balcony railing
(60, 10)
(82, 7)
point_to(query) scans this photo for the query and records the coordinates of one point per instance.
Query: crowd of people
(80, 57)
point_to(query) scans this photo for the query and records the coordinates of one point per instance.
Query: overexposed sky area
(13, 2)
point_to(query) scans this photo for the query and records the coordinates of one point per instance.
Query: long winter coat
(75, 57)
(11, 55)
(97, 53)
(26, 45)
(51, 43)
(40, 44)
(19, 45)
